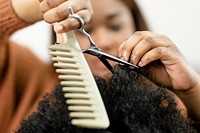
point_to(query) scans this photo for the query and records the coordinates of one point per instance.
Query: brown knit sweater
(23, 77)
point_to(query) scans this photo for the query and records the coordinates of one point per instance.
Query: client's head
(134, 105)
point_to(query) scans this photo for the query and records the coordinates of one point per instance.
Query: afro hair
(134, 105)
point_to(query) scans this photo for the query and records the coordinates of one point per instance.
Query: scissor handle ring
(76, 16)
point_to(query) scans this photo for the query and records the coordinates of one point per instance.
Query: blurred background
(178, 19)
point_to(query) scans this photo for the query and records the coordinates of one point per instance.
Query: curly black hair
(134, 105)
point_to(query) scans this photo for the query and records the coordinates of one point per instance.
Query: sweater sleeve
(23, 77)
(9, 21)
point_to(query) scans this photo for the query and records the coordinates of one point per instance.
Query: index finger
(127, 47)
(61, 12)
(46, 5)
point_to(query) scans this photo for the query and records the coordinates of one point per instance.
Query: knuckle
(136, 54)
(142, 33)
(88, 17)
(124, 46)
(73, 23)
(42, 9)
(61, 13)
(84, 18)
(50, 3)
(162, 36)
(145, 59)
(46, 18)
(158, 51)
(138, 33)
(149, 39)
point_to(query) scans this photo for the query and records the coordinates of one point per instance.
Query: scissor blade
(106, 63)
(107, 56)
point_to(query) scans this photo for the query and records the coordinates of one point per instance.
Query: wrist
(187, 92)
(191, 98)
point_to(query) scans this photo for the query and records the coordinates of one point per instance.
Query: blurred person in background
(24, 78)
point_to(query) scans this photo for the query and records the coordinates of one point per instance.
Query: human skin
(109, 27)
(141, 48)
(53, 11)
(109, 34)
(25, 13)
(145, 47)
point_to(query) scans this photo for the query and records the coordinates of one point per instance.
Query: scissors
(94, 50)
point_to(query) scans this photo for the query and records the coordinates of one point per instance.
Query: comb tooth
(73, 83)
(80, 102)
(72, 77)
(72, 60)
(82, 96)
(61, 48)
(69, 71)
(83, 108)
(83, 115)
(62, 54)
(91, 122)
(66, 65)
(76, 89)
(78, 95)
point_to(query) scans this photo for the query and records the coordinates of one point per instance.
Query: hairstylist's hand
(144, 48)
(167, 66)
(57, 11)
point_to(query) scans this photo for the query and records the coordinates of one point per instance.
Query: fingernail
(119, 55)
(140, 64)
(59, 27)
(133, 57)
(124, 56)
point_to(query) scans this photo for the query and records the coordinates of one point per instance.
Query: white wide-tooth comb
(84, 101)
